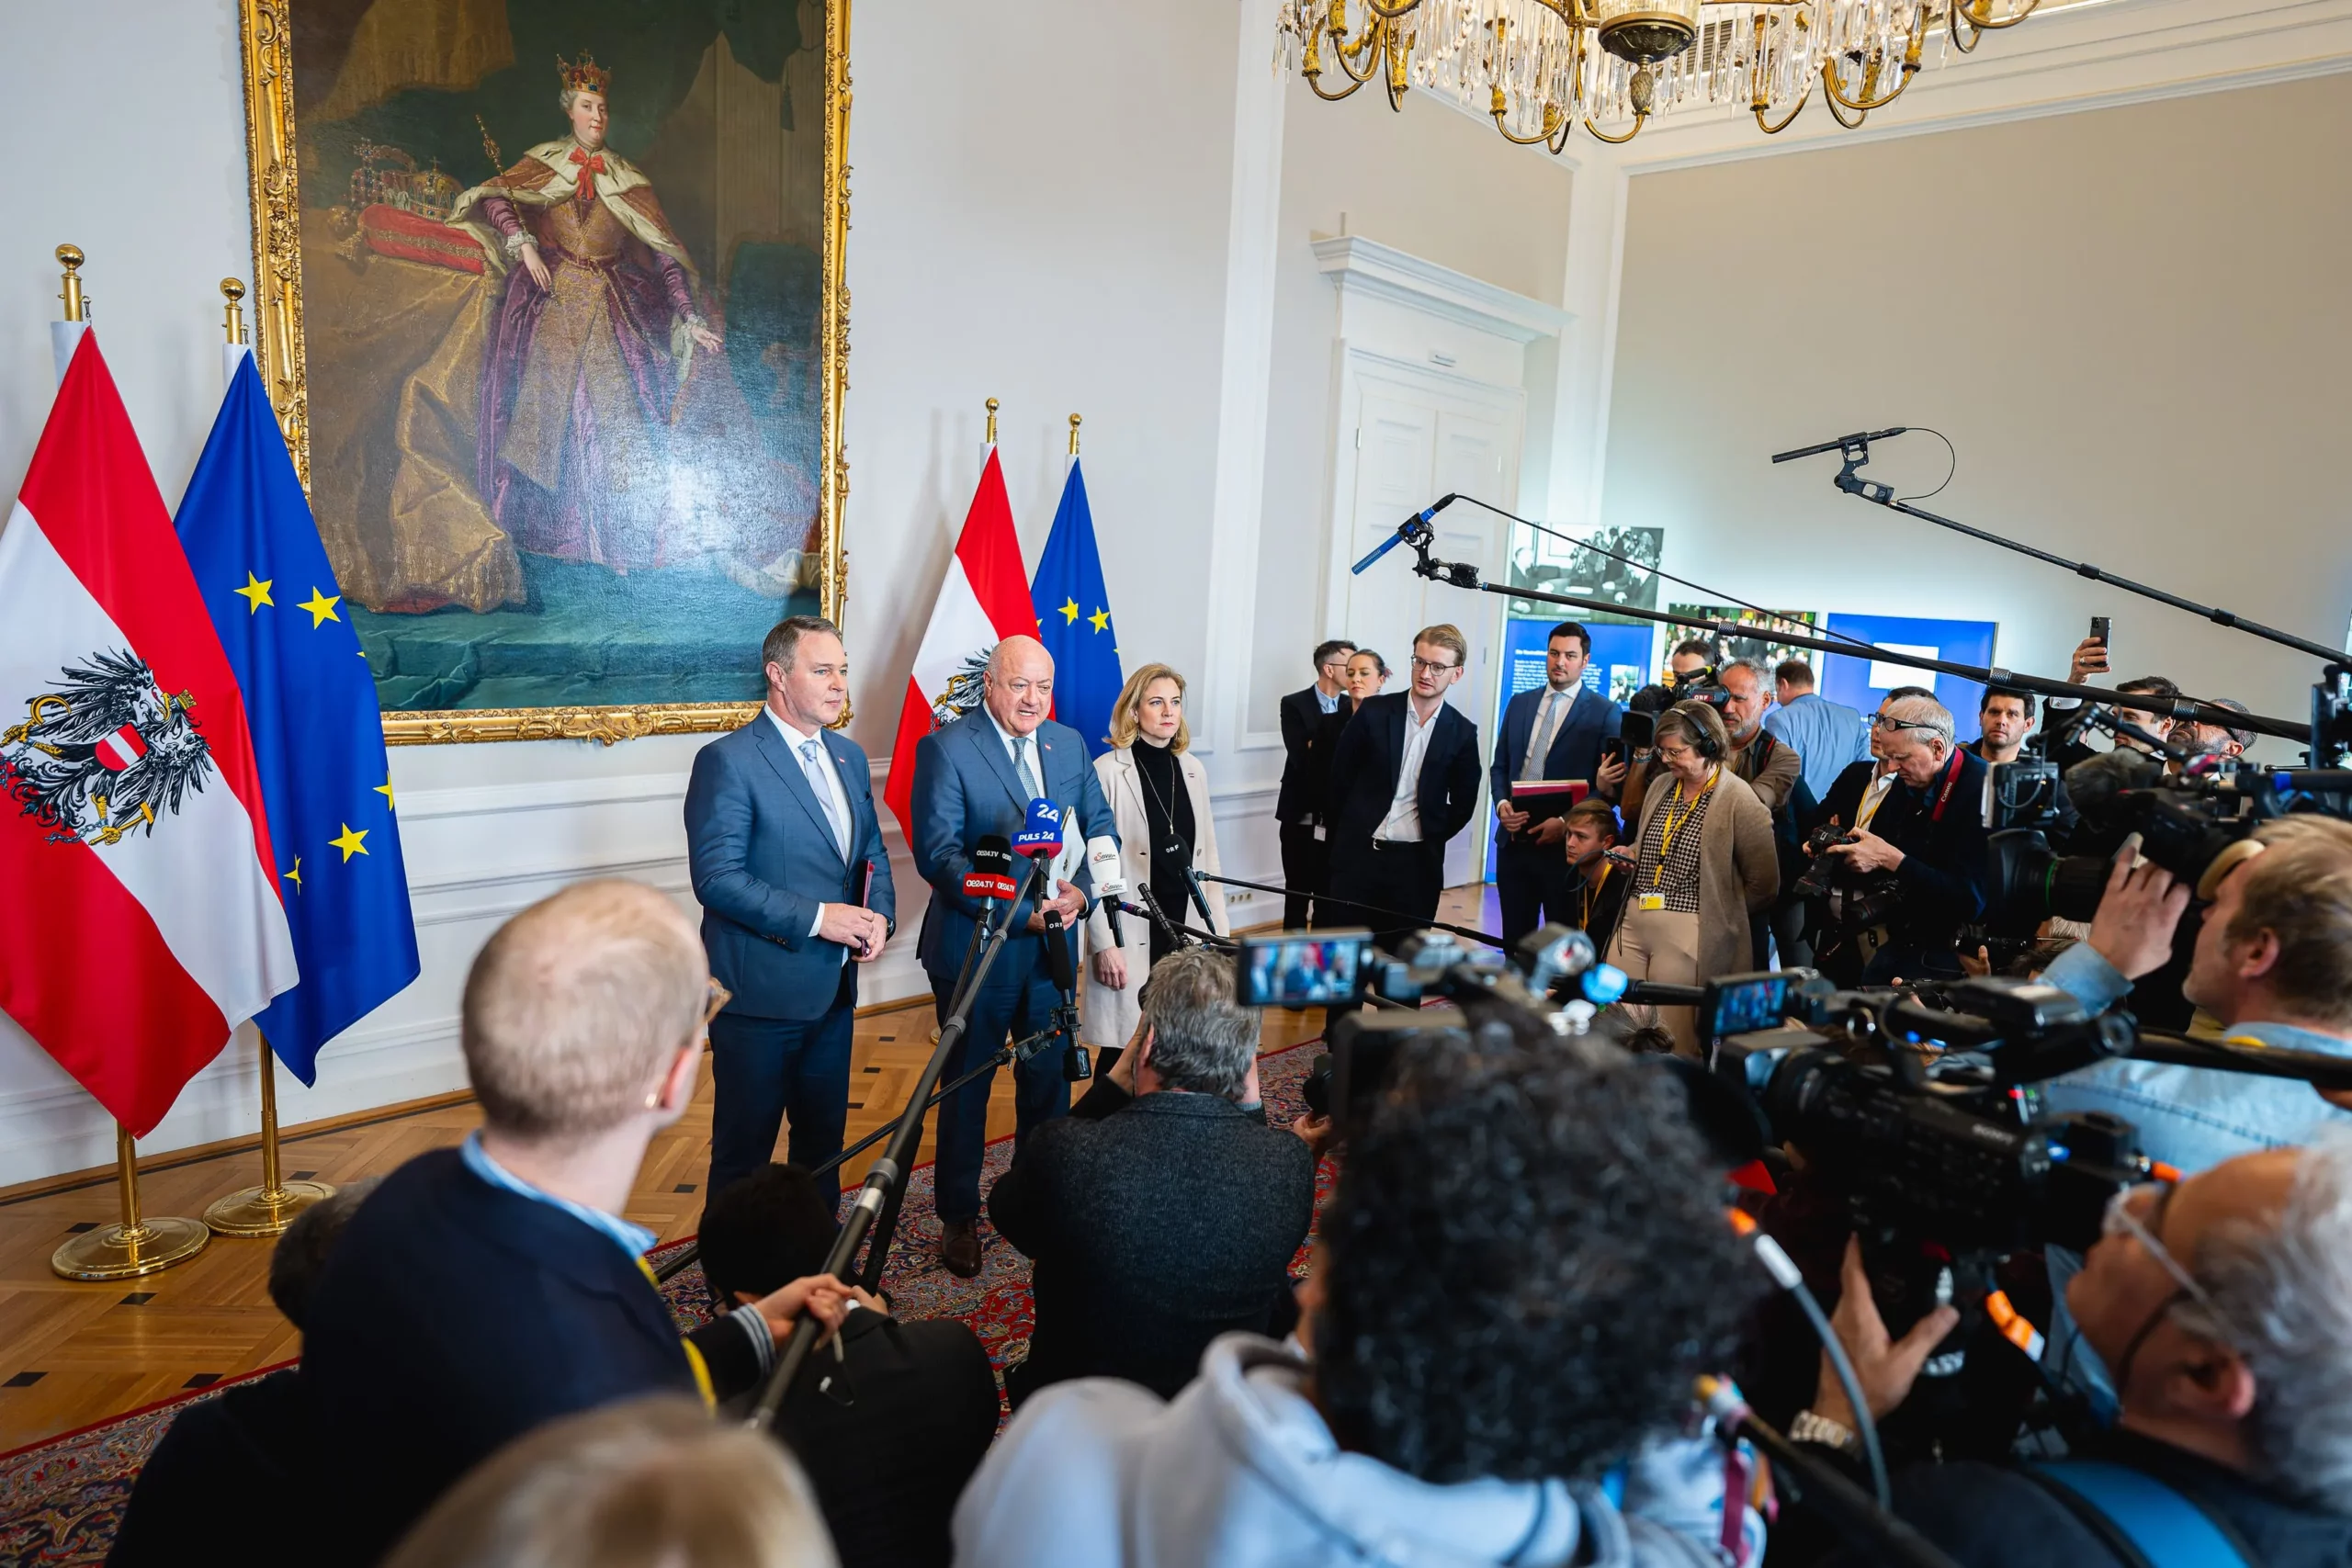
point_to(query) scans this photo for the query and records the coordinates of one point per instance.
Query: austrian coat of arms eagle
(105, 753)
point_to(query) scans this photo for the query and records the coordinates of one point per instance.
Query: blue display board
(1620, 667)
(1863, 682)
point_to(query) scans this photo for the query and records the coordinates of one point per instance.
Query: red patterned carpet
(62, 1498)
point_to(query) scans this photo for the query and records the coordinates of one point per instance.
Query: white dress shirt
(1403, 823)
(1014, 745)
(794, 739)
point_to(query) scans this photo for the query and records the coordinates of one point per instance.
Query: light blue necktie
(1021, 766)
(814, 767)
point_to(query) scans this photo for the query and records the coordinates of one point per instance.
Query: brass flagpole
(268, 1208)
(136, 1245)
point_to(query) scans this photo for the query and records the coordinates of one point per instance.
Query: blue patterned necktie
(1021, 766)
(814, 767)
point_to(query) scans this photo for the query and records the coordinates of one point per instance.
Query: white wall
(2132, 323)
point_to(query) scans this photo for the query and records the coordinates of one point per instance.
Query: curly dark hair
(1527, 1262)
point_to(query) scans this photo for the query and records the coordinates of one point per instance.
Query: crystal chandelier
(1539, 66)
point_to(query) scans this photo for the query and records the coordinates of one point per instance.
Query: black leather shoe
(959, 1248)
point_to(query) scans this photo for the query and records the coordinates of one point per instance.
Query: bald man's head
(577, 1006)
(1019, 688)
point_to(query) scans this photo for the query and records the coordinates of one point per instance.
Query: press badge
(1650, 901)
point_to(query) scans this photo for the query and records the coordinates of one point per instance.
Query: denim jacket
(2191, 1118)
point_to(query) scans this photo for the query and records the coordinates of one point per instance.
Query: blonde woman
(1160, 796)
(1705, 862)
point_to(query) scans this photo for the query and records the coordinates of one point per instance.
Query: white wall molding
(1358, 266)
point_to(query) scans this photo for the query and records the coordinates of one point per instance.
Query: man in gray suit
(974, 777)
(787, 861)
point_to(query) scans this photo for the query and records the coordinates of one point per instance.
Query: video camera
(1336, 969)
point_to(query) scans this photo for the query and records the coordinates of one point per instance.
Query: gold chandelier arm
(1594, 131)
(1768, 127)
(1829, 102)
(1985, 23)
(1392, 13)
(1400, 52)
(1952, 19)
(1499, 105)
(1863, 103)
(1316, 86)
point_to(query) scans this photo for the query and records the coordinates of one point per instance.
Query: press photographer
(2224, 1304)
(1913, 869)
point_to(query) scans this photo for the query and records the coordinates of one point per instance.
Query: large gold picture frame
(273, 139)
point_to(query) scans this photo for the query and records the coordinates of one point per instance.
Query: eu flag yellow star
(352, 842)
(1099, 620)
(1069, 611)
(322, 607)
(385, 790)
(256, 594)
(294, 876)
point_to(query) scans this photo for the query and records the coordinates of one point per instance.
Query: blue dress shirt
(1830, 738)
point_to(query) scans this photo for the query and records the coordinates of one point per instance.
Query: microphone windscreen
(1059, 968)
(1041, 832)
(993, 853)
(1103, 862)
(2092, 783)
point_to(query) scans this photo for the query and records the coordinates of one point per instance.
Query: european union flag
(318, 733)
(1074, 619)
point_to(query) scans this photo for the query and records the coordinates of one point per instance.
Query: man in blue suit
(1551, 731)
(788, 861)
(973, 778)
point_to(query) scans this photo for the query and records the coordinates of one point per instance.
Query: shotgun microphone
(1840, 444)
(1404, 530)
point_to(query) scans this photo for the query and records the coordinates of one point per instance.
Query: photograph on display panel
(1763, 647)
(550, 306)
(1626, 575)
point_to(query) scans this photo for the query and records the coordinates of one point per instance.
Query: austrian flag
(141, 921)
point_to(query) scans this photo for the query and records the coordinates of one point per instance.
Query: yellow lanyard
(1591, 891)
(1666, 838)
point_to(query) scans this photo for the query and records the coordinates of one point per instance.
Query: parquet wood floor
(71, 1354)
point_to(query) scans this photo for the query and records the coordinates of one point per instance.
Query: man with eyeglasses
(1301, 813)
(1406, 779)
(2223, 1305)
(1922, 833)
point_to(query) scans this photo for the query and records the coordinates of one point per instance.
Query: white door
(1415, 437)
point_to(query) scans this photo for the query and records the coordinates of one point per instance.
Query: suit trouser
(1017, 1000)
(764, 1070)
(1404, 878)
(1531, 884)
(1307, 871)
(1661, 945)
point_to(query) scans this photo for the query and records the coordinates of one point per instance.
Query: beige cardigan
(1739, 869)
(1108, 1017)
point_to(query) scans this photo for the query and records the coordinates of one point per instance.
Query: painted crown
(582, 75)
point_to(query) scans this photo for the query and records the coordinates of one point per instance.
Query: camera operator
(1923, 843)
(1473, 1357)
(2273, 963)
(2225, 1303)
(1691, 665)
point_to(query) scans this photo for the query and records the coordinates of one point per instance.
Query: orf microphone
(1181, 854)
(1404, 531)
(1109, 873)
(1840, 443)
(990, 877)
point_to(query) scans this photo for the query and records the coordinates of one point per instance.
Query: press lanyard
(1951, 777)
(1666, 838)
(1591, 891)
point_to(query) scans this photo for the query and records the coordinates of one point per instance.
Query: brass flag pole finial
(992, 421)
(233, 314)
(1073, 435)
(70, 258)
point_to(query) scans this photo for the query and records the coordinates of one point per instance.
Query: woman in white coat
(1160, 796)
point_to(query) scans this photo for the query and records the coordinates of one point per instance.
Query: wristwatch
(1809, 1427)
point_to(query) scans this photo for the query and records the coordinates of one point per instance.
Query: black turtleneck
(1168, 813)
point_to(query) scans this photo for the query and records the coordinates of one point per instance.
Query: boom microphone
(1840, 443)
(1109, 874)
(1404, 531)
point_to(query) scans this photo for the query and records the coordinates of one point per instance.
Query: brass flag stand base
(268, 1208)
(135, 1246)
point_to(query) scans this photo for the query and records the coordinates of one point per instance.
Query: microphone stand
(1856, 451)
(1179, 935)
(887, 1179)
(1463, 574)
(1397, 915)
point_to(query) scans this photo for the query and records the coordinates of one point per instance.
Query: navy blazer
(763, 857)
(1576, 742)
(453, 1315)
(966, 789)
(1371, 751)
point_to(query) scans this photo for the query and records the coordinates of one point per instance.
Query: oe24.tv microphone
(990, 877)
(1110, 877)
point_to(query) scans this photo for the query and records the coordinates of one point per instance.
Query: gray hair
(1202, 1039)
(1920, 715)
(2282, 1297)
(569, 96)
(784, 638)
(1756, 671)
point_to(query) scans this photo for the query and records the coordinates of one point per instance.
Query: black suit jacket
(1153, 1230)
(1372, 749)
(453, 1316)
(1303, 781)
(241, 1443)
(888, 1464)
(1946, 869)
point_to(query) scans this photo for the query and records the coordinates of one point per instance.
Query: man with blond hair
(485, 1290)
(1404, 779)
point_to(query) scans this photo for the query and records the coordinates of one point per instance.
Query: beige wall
(1428, 181)
(2134, 322)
